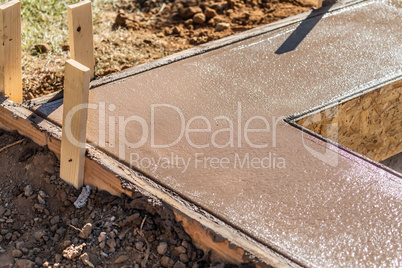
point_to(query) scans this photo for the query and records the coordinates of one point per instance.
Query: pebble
(38, 261)
(179, 265)
(55, 220)
(162, 248)
(121, 259)
(199, 18)
(38, 235)
(111, 243)
(210, 13)
(222, 26)
(180, 250)
(66, 243)
(167, 262)
(49, 169)
(23, 263)
(39, 207)
(41, 200)
(102, 237)
(28, 190)
(86, 231)
(16, 253)
(139, 245)
(58, 258)
(74, 221)
(184, 258)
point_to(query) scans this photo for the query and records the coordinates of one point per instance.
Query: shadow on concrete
(303, 30)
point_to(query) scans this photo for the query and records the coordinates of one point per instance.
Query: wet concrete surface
(318, 206)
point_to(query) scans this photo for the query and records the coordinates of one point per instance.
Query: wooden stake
(10, 51)
(76, 89)
(80, 31)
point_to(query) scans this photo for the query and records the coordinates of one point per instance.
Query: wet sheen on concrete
(316, 205)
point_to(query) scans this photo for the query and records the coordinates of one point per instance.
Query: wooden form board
(76, 91)
(209, 233)
(80, 31)
(10, 51)
(369, 124)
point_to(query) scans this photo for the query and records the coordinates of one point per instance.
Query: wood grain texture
(10, 51)
(75, 113)
(370, 124)
(80, 31)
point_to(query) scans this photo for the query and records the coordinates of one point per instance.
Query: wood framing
(80, 31)
(76, 90)
(10, 51)
(209, 233)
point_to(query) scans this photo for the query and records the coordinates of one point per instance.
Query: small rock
(55, 220)
(179, 265)
(74, 221)
(28, 190)
(180, 250)
(38, 261)
(19, 245)
(72, 252)
(23, 263)
(102, 237)
(189, 12)
(210, 13)
(86, 231)
(2, 210)
(16, 253)
(221, 26)
(111, 243)
(139, 245)
(184, 258)
(39, 207)
(43, 48)
(66, 243)
(167, 262)
(38, 235)
(58, 258)
(199, 18)
(49, 169)
(121, 259)
(162, 248)
(41, 200)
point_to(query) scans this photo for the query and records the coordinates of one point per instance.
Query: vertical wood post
(80, 31)
(10, 51)
(75, 107)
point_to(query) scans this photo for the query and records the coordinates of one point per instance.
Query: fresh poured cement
(313, 203)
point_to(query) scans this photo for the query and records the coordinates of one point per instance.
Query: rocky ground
(41, 227)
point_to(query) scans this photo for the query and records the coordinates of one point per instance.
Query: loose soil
(129, 33)
(41, 227)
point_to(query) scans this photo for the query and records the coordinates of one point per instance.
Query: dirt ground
(41, 227)
(134, 32)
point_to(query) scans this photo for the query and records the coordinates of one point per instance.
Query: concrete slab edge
(200, 49)
(106, 173)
